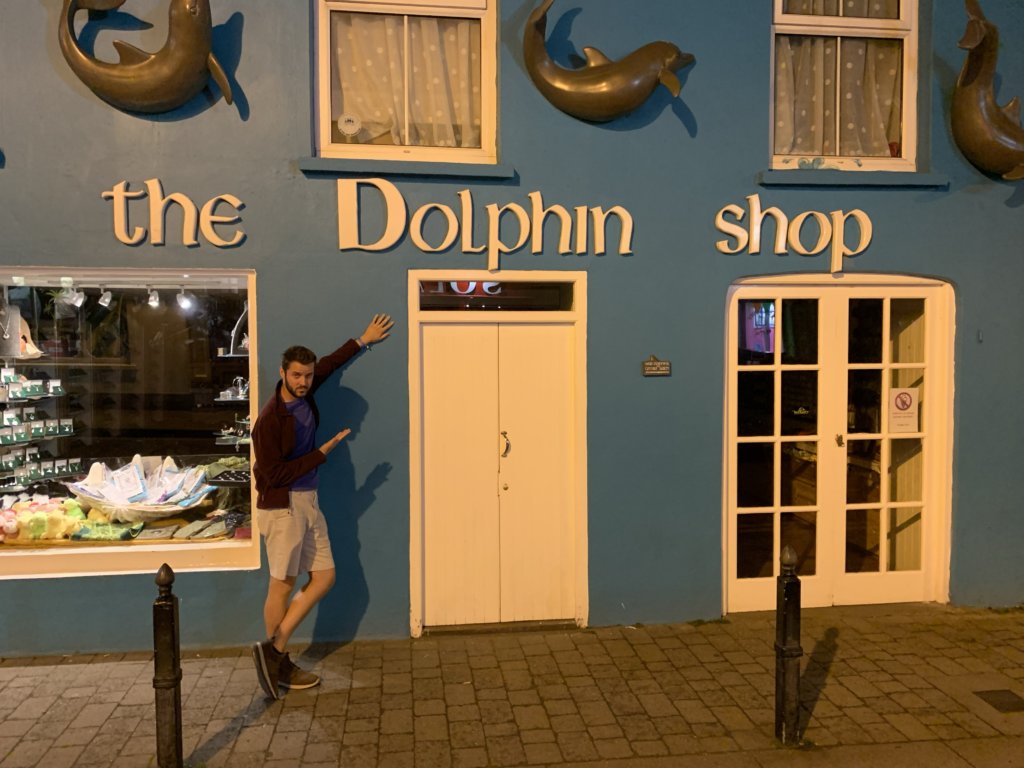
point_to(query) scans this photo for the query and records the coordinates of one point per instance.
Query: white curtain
(444, 78)
(865, 88)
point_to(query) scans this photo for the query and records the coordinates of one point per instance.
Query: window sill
(404, 168)
(831, 178)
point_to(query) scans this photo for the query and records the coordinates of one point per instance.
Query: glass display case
(126, 398)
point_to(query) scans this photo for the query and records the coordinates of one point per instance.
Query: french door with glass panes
(838, 440)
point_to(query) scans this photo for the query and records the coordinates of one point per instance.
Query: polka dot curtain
(838, 95)
(368, 79)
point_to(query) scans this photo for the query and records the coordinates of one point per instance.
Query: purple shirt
(305, 437)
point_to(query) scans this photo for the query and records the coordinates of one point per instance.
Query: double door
(838, 442)
(498, 455)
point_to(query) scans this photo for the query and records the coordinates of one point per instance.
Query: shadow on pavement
(814, 677)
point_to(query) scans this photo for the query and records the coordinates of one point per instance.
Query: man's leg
(276, 605)
(281, 623)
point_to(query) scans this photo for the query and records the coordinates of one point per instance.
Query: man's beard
(292, 392)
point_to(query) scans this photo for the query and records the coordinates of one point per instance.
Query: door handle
(839, 441)
(508, 444)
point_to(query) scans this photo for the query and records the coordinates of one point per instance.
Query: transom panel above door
(838, 439)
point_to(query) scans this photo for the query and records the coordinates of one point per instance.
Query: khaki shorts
(296, 537)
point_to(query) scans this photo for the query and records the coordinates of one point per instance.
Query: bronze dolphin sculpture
(149, 82)
(990, 136)
(602, 89)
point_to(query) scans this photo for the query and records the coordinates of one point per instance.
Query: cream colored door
(498, 453)
(838, 441)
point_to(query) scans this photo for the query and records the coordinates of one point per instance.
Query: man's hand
(377, 330)
(329, 445)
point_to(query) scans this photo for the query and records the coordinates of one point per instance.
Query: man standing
(289, 517)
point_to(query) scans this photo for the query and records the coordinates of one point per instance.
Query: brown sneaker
(293, 677)
(268, 665)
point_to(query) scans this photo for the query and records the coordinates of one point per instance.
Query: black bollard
(167, 672)
(787, 650)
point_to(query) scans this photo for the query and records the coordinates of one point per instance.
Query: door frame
(577, 317)
(937, 538)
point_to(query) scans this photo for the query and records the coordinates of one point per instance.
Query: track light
(154, 298)
(186, 300)
(71, 297)
(105, 297)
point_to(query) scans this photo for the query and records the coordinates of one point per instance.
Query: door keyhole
(839, 441)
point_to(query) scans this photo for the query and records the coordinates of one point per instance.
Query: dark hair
(297, 354)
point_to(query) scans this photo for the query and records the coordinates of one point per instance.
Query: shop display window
(127, 397)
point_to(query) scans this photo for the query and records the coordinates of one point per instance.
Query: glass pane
(368, 100)
(874, 9)
(906, 470)
(444, 88)
(469, 295)
(799, 402)
(805, 95)
(799, 481)
(798, 530)
(755, 474)
(904, 539)
(865, 331)
(754, 545)
(756, 332)
(870, 97)
(366, 75)
(862, 540)
(906, 330)
(811, 7)
(800, 331)
(911, 378)
(863, 471)
(864, 401)
(756, 403)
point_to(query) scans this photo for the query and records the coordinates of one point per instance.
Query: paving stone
(505, 750)
(466, 734)
(537, 754)
(472, 757)
(431, 728)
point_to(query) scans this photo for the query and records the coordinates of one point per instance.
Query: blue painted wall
(655, 445)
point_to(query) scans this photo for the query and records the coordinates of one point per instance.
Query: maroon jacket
(273, 436)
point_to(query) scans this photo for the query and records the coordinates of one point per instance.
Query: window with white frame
(845, 84)
(412, 80)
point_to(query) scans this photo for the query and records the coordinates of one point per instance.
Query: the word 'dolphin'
(574, 234)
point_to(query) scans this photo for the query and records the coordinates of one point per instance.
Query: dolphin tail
(973, 35)
(1015, 174)
(220, 78)
(539, 16)
(98, 5)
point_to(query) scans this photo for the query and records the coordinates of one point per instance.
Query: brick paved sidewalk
(882, 685)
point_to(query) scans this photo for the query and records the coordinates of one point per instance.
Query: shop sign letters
(195, 221)
(574, 234)
(831, 231)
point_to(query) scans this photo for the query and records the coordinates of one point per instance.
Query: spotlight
(105, 298)
(154, 298)
(186, 300)
(71, 297)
